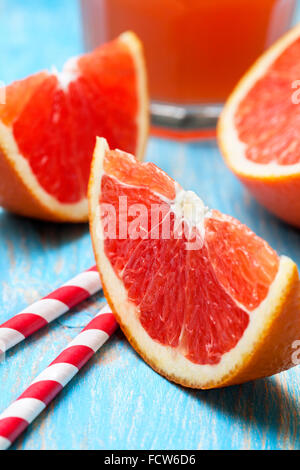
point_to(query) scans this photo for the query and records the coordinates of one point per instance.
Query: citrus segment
(186, 290)
(50, 123)
(244, 263)
(17, 95)
(148, 175)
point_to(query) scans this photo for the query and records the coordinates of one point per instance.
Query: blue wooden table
(117, 401)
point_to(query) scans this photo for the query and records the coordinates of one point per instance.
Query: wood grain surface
(117, 401)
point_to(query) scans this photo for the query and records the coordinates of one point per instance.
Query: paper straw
(49, 308)
(17, 417)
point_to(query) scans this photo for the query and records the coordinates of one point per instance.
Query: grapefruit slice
(49, 124)
(205, 301)
(258, 130)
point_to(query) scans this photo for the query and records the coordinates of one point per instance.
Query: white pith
(76, 211)
(167, 359)
(235, 149)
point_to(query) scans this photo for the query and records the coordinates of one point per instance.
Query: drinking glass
(196, 50)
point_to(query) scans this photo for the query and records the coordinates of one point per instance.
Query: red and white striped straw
(17, 417)
(49, 308)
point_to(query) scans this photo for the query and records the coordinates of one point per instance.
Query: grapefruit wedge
(258, 131)
(201, 298)
(49, 124)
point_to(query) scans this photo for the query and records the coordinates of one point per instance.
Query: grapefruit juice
(196, 50)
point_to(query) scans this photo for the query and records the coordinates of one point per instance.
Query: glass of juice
(196, 50)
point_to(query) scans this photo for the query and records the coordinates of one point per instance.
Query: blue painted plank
(117, 401)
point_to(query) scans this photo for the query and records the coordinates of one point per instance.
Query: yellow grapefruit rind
(265, 348)
(20, 191)
(277, 187)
